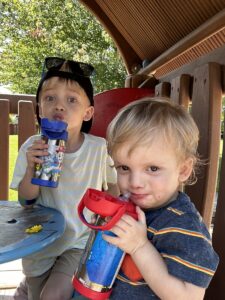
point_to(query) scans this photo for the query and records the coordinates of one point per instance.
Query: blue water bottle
(55, 135)
(101, 261)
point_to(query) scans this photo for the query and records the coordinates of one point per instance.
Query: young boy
(153, 143)
(65, 93)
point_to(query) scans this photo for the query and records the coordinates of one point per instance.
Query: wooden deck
(10, 276)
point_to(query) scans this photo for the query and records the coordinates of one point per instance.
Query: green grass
(221, 147)
(13, 151)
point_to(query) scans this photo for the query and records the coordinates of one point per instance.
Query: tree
(31, 30)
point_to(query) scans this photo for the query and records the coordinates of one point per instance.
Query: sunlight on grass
(221, 147)
(13, 151)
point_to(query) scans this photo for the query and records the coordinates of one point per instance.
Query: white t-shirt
(89, 167)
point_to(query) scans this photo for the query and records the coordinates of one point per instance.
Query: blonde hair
(142, 121)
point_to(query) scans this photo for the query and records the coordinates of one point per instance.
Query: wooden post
(163, 89)
(26, 121)
(180, 90)
(206, 110)
(216, 289)
(4, 149)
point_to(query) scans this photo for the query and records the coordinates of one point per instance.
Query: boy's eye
(49, 98)
(71, 99)
(122, 168)
(153, 168)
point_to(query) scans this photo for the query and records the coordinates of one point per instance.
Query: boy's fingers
(110, 239)
(141, 215)
(37, 153)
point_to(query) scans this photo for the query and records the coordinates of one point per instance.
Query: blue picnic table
(15, 242)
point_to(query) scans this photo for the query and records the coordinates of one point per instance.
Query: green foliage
(31, 30)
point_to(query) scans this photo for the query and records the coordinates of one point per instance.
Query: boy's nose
(136, 181)
(59, 106)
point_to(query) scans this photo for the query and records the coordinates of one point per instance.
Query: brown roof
(164, 33)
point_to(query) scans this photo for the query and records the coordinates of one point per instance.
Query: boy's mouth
(138, 197)
(58, 117)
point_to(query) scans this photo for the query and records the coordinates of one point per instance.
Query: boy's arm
(29, 154)
(154, 271)
(26, 189)
(132, 238)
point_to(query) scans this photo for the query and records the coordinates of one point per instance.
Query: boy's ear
(89, 113)
(186, 169)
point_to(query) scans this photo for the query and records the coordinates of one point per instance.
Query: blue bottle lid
(54, 129)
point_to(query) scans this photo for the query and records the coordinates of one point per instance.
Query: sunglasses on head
(76, 67)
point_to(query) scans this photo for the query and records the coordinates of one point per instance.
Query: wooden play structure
(172, 48)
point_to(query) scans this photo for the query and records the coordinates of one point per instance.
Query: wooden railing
(24, 107)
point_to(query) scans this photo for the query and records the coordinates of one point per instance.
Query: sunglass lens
(81, 68)
(76, 67)
(53, 62)
(88, 70)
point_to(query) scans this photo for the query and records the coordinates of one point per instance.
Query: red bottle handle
(102, 204)
(106, 226)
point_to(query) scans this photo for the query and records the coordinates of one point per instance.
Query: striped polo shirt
(179, 234)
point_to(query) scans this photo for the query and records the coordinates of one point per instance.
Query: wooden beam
(215, 24)
(15, 98)
(130, 57)
(216, 56)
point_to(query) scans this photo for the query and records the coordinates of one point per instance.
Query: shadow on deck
(10, 276)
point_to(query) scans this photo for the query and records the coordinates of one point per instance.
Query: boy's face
(151, 174)
(66, 101)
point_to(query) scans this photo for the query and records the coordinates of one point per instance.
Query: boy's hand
(39, 148)
(130, 234)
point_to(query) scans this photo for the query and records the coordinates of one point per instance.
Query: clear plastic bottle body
(100, 262)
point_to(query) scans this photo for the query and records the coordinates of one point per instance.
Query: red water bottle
(101, 261)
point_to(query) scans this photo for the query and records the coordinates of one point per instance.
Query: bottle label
(50, 169)
(103, 263)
